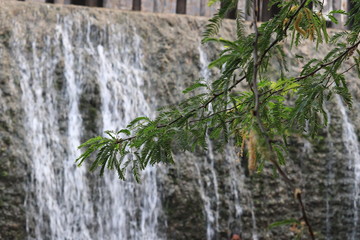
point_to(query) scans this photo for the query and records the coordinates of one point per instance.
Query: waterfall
(123, 100)
(67, 202)
(351, 143)
(62, 208)
(208, 185)
(208, 179)
(69, 73)
(239, 190)
(329, 178)
(60, 202)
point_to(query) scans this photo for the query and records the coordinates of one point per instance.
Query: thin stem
(298, 196)
(255, 57)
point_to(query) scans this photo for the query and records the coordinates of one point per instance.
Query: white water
(60, 203)
(239, 190)
(121, 90)
(208, 179)
(65, 205)
(352, 145)
(329, 179)
(208, 185)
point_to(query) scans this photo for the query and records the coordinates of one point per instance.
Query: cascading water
(82, 71)
(238, 190)
(119, 83)
(60, 203)
(211, 198)
(351, 143)
(62, 208)
(330, 178)
(208, 185)
(64, 201)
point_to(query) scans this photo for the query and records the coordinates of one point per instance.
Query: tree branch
(256, 112)
(347, 52)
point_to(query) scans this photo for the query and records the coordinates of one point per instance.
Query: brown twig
(299, 198)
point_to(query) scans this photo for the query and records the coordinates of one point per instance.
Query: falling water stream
(351, 143)
(60, 208)
(62, 205)
(208, 184)
(330, 177)
(118, 82)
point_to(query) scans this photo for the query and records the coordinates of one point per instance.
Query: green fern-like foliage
(263, 115)
(214, 25)
(259, 117)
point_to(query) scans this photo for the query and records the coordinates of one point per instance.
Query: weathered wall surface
(171, 57)
(201, 8)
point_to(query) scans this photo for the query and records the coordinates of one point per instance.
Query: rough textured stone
(165, 6)
(116, 4)
(13, 165)
(200, 8)
(40, 1)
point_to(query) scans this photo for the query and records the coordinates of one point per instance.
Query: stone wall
(201, 8)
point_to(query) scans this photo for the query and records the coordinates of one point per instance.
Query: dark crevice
(100, 3)
(350, 23)
(136, 5)
(181, 6)
(79, 2)
(89, 3)
(232, 13)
